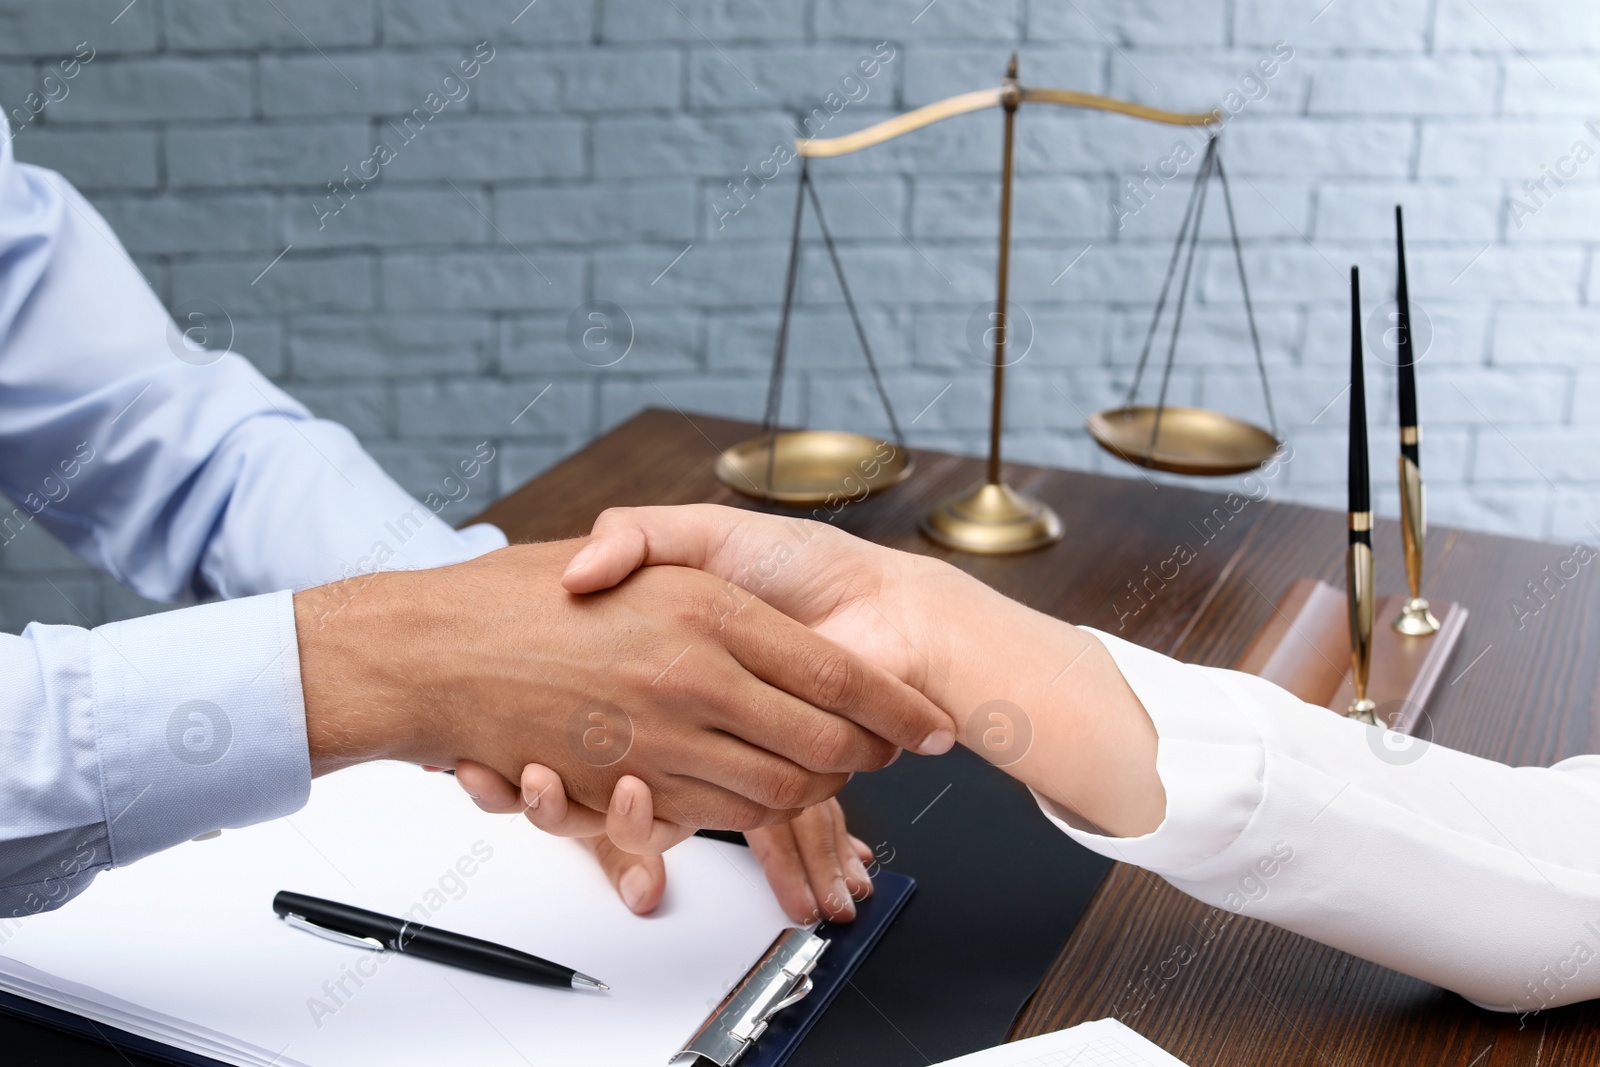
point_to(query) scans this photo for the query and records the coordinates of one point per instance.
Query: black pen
(1358, 564)
(368, 929)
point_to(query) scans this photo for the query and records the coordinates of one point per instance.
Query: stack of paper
(184, 947)
(1102, 1043)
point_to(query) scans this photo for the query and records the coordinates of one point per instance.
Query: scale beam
(1093, 102)
(966, 103)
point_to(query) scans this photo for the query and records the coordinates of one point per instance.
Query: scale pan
(1191, 441)
(813, 466)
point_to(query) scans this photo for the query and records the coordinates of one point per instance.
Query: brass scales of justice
(809, 467)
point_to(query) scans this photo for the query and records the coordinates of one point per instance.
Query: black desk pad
(999, 891)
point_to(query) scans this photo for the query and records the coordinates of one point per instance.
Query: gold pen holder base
(1364, 710)
(1416, 620)
(992, 520)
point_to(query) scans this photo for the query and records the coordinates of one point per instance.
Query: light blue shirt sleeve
(181, 481)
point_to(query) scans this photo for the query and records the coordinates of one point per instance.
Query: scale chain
(1161, 299)
(1204, 182)
(1189, 232)
(1244, 287)
(769, 423)
(855, 317)
(774, 410)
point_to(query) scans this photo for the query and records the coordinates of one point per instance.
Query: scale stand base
(1305, 648)
(992, 520)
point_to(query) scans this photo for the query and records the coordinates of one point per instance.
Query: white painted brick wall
(591, 161)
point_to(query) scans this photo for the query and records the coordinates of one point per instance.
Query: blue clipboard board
(848, 945)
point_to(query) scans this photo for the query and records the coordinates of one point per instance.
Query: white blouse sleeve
(1472, 875)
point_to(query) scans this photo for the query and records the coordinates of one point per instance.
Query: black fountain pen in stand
(1415, 619)
(1358, 565)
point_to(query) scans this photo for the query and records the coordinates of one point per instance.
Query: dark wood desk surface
(1251, 994)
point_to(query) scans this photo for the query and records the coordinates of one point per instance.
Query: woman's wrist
(1042, 700)
(980, 645)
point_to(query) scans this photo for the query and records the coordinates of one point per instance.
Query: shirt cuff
(200, 721)
(1210, 757)
(481, 538)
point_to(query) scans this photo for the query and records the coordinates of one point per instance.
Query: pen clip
(300, 922)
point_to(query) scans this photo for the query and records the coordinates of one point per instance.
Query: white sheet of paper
(1102, 1043)
(184, 945)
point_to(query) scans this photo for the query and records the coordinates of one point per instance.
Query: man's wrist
(356, 708)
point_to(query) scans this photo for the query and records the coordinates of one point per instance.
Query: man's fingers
(753, 758)
(488, 788)
(799, 661)
(639, 880)
(544, 801)
(631, 823)
(774, 847)
(785, 726)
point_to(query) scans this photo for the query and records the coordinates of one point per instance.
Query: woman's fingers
(488, 788)
(825, 850)
(814, 866)
(631, 825)
(856, 855)
(863, 853)
(619, 543)
(639, 880)
(774, 847)
(544, 801)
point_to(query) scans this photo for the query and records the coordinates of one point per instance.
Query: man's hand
(816, 868)
(731, 714)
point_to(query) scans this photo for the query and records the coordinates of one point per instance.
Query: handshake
(697, 667)
(648, 704)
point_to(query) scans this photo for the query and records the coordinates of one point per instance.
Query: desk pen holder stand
(1305, 648)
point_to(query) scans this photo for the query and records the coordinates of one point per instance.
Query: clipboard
(765, 1017)
(760, 1023)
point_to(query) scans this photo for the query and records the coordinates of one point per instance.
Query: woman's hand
(881, 604)
(816, 868)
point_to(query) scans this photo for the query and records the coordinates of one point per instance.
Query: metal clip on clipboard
(781, 977)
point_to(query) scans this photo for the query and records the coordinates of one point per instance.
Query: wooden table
(1250, 994)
